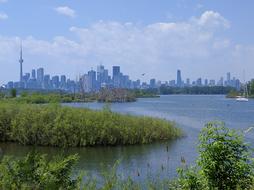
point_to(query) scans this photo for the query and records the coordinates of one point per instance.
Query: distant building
(116, 77)
(212, 83)
(152, 83)
(116, 71)
(179, 79)
(46, 84)
(206, 82)
(172, 83)
(91, 81)
(221, 82)
(199, 82)
(187, 82)
(55, 82)
(40, 76)
(228, 79)
(63, 82)
(33, 74)
(10, 85)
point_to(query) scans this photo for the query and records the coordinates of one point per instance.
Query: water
(189, 112)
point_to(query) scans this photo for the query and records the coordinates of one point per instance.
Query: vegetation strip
(55, 125)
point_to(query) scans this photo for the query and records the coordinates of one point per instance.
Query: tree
(13, 93)
(35, 172)
(224, 162)
(252, 87)
(224, 158)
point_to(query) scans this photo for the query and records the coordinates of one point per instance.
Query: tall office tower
(125, 81)
(221, 82)
(46, 82)
(116, 71)
(55, 82)
(21, 63)
(199, 82)
(179, 79)
(228, 77)
(116, 76)
(206, 82)
(26, 77)
(40, 76)
(91, 81)
(63, 81)
(33, 74)
(100, 75)
(152, 83)
(228, 82)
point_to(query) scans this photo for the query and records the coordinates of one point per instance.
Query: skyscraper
(116, 71)
(21, 63)
(40, 76)
(33, 74)
(116, 76)
(179, 79)
(228, 77)
(91, 81)
(152, 83)
(100, 75)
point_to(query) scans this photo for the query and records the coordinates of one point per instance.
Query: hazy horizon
(202, 38)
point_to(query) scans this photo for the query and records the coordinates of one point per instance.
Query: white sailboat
(243, 98)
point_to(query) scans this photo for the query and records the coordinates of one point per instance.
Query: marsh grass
(55, 125)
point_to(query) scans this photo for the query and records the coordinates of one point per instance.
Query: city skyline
(93, 81)
(203, 39)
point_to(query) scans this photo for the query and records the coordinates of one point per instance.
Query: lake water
(190, 113)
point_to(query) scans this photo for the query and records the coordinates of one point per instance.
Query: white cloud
(157, 49)
(213, 19)
(3, 16)
(65, 10)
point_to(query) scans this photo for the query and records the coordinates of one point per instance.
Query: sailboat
(243, 98)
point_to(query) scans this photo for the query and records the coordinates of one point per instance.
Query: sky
(201, 38)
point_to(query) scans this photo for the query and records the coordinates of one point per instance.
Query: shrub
(35, 172)
(224, 162)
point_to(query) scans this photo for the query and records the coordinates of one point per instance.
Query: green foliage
(252, 87)
(13, 93)
(233, 94)
(224, 162)
(224, 158)
(54, 125)
(2, 95)
(35, 172)
(146, 93)
(190, 179)
(196, 90)
(115, 95)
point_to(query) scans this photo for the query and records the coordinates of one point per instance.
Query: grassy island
(55, 125)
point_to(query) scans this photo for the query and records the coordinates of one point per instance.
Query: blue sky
(202, 38)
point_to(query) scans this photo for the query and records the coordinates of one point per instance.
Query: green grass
(55, 125)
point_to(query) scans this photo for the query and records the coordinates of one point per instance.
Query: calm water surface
(189, 112)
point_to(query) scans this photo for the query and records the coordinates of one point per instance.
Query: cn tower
(21, 64)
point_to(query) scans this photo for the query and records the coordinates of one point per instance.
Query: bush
(224, 162)
(35, 172)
